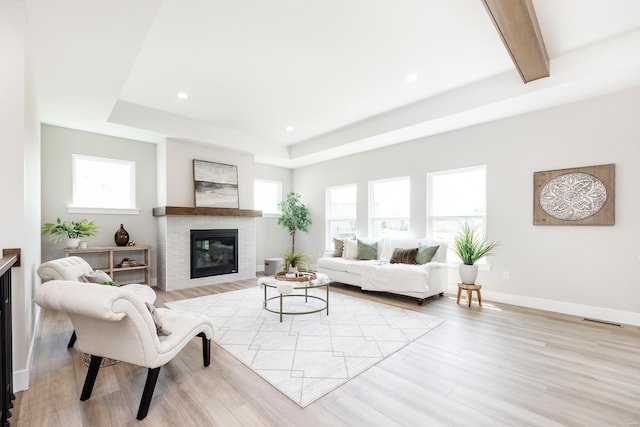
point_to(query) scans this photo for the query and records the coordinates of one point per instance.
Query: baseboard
(585, 311)
(260, 268)
(20, 380)
(21, 377)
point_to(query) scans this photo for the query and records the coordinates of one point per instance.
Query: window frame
(77, 206)
(459, 218)
(278, 196)
(329, 218)
(372, 201)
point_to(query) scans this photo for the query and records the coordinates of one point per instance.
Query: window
(101, 183)
(453, 197)
(389, 206)
(341, 212)
(266, 196)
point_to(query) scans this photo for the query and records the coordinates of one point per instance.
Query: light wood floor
(490, 366)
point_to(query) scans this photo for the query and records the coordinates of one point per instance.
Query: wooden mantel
(184, 211)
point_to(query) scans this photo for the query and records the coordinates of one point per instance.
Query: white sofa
(414, 280)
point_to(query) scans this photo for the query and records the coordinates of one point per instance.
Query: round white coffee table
(286, 289)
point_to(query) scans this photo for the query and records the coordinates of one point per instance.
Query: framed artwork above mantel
(575, 196)
(215, 185)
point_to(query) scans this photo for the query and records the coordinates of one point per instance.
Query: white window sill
(103, 211)
(270, 215)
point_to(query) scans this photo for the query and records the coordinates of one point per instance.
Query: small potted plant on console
(70, 230)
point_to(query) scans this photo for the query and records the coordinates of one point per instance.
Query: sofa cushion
(335, 264)
(350, 249)
(396, 278)
(356, 267)
(404, 256)
(390, 243)
(386, 245)
(367, 250)
(338, 245)
(425, 253)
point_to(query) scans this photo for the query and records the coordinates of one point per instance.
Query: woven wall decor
(576, 196)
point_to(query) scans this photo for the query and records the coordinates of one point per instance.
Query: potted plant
(292, 260)
(70, 230)
(294, 216)
(470, 246)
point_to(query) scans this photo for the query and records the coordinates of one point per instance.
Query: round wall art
(573, 196)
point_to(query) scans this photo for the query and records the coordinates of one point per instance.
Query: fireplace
(214, 252)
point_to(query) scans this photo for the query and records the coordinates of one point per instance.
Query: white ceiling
(334, 70)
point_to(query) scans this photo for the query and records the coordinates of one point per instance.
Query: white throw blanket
(396, 277)
(283, 287)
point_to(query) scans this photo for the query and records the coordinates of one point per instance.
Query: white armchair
(74, 268)
(115, 322)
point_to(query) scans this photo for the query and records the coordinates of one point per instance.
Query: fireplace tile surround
(174, 240)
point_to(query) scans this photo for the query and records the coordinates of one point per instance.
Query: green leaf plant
(61, 230)
(470, 246)
(292, 259)
(294, 216)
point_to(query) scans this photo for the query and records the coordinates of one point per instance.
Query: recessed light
(289, 128)
(183, 95)
(411, 77)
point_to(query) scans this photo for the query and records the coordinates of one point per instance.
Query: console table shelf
(118, 251)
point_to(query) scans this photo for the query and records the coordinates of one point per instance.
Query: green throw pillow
(367, 250)
(425, 253)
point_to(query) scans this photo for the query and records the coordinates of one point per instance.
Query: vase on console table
(72, 243)
(121, 237)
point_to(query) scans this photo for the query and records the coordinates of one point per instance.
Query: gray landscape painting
(216, 184)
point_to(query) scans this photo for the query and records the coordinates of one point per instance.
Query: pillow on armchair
(97, 276)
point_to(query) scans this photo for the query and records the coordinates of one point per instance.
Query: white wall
(272, 239)
(589, 270)
(178, 176)
(19, 174)
(58, 146)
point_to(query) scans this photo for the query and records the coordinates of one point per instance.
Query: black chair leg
(147, 394)
(90, 380)
(72, 340)
(206, 349)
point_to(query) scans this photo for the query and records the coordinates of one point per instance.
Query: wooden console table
(143, 253)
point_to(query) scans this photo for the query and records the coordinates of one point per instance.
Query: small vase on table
(121, 237)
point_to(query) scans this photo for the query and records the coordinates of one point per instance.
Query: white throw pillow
(154, 315)
(350, 249)
(97, 276)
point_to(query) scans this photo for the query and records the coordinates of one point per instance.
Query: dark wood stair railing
(10, 258)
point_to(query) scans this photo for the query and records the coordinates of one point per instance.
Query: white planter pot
(73, 243)
(468, 273)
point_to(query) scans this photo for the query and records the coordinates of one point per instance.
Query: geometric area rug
(307, 356)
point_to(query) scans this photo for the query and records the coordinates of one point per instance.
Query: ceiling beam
(517, 25)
